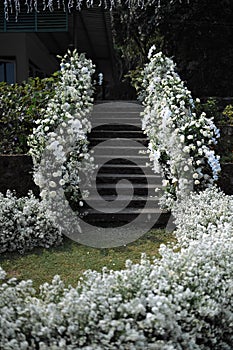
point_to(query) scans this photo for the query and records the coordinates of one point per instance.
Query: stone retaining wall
(225, 143)
(226, 179)
(16, 174)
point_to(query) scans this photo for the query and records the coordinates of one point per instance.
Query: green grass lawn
(71, 259)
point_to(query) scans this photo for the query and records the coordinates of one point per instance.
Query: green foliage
(228, 114)
(211, 108)
(136, 78)
(20, 106)
(134, 32)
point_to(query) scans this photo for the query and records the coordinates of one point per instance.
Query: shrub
(207, 212)
(20, 106)
(26, 223)
(228, 114)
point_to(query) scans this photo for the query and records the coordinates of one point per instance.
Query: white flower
(62, 182)
(182, 138)
(150, 53)
(52, 194)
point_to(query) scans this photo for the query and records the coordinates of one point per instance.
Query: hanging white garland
(32, 5)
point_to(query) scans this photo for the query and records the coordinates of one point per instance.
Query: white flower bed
(181, 142)
(207, 212)
(26, 223)
(182, 301)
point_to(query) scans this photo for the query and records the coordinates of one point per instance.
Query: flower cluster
(26, 223)
(182, 301)
(181, 142)
(204, 213)
(59, 145)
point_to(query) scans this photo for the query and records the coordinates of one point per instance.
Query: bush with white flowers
(26, 223)
(59, 145)
(183, 301)
(207, 212)
(181, 142)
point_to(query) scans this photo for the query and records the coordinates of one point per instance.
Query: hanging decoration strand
(15, 5)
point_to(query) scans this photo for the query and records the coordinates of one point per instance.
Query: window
(42, 21)
(7, 70)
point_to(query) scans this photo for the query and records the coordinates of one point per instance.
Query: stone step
(118, 106)
(117, 149)
(125, 201)
(116, 159)
(134, 178)
(108, 134)
(123, 121)
(126, 169)
(113, 126)
(126, 216)
(97, 140)
(139, 189)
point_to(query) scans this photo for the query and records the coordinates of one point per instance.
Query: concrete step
(116, 126)
(126, 216)
(139, 189)
(125, 201)
(126, 121)
(116, 159)
(126, 169)
(133, 178)
(108, 134)
(117, 106)
(97, 140)
(117, 149)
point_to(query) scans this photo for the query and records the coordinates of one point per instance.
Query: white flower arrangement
(181, 142)
(26, 223)
(59, 145)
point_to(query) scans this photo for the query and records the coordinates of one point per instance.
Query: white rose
(182, 138)
(52, 194)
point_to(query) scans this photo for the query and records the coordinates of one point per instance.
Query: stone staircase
(124, 186)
